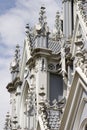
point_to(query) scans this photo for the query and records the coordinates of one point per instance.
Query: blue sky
(5, 5)
(14, 15)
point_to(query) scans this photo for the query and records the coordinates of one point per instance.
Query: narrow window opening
(56, 87)
(42, 64)
(62, 25)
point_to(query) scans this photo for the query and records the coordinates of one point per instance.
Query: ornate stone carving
(8, 125)
(85, 64)
(79, 54)
(41, 27)
(51, 115)
(57, 29)
(51, 66)
(83, 6)
(15, 122)
(14, 66)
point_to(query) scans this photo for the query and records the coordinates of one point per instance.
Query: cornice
(38, 52)
(42, 52)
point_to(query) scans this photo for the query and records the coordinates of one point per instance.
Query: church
(48, 89)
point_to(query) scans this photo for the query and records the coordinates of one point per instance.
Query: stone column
(67, 23)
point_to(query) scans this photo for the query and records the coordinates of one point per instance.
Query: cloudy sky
(14, 15)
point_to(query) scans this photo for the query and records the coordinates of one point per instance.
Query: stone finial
(28, 31)
(27, 28)
(79, 54)
(41, 27)
(29, 39)
(57, 27)
(15, 62)
(42, 18)
(14, 66)
(57, 23)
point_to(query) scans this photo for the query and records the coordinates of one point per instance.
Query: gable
(79, 33)
(74, 109)
(81, 114)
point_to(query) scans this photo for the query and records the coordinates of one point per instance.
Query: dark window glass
(56, 87)
(62, 25)
(71, 71)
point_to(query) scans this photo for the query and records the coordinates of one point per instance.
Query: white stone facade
(48, 90)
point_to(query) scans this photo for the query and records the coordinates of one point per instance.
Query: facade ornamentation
(49, 83)
(57, 32)
(82, 7)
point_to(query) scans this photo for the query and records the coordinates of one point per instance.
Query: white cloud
(26, 11)
(12, 25)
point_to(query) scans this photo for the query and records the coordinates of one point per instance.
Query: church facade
(48, 90)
